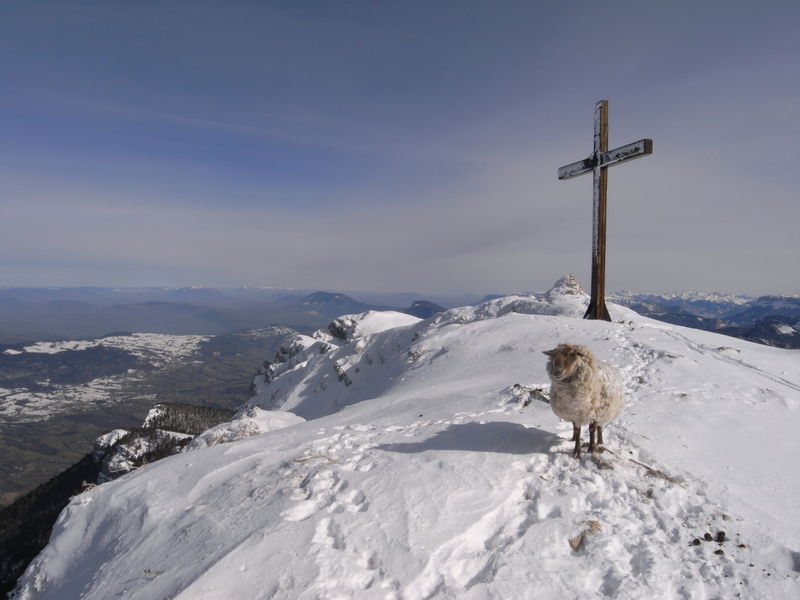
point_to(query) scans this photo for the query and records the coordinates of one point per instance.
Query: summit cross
(597, 164)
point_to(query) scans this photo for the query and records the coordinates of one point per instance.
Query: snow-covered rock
(348, 327)
(106, 441)
(424, 475)
(155, 413)
(132, 448)
(346, 337)
(294, 350)
(252, 421)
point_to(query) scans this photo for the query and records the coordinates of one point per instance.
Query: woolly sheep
(584, 391)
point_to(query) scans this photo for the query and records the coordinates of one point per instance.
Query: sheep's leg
(576, 431)
(600, 435)
(592, 431)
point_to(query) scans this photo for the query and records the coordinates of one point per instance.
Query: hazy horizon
(391, 292)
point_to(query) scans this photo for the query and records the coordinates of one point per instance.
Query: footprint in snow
(315, 492)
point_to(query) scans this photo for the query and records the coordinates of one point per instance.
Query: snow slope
(421, 474)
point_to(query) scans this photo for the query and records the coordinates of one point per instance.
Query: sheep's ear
(549, 352)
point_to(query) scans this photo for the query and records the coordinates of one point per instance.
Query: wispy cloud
(386, 147)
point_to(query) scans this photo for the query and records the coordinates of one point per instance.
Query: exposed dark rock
(26, 524)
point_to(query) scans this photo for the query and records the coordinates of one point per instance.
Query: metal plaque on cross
(597, 163)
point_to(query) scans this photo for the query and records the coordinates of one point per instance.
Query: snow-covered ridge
(311, 375)
(422, 475)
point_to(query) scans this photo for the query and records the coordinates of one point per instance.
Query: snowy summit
(422, 461)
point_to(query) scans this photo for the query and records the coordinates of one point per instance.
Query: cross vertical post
(597, 164)
(597, 304)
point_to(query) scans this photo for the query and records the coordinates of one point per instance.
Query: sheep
(583, 391)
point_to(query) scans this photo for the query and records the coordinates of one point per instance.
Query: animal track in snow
(316, 491)
(324, 486)
(645, 522)
(637, 517)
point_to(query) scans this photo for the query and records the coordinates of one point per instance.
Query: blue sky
(396, 146)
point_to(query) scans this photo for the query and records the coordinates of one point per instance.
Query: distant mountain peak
(566, 286)
(332, 304)
(424, 309)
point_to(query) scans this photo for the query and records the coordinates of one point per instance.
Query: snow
(252, 422)
(19, 405)
(372, 322)
(419, 473)
(105, 441)
(164, 347)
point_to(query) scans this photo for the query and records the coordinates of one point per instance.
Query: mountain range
(68, 313)
(770, 320)
(33, 314)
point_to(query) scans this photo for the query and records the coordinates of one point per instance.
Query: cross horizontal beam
(607, 159)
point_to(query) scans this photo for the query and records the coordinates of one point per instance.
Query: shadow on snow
(496, 436)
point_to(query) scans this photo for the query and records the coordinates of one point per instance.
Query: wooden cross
(598, 163)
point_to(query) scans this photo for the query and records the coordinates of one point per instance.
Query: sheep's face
(564, 360)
